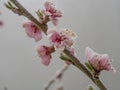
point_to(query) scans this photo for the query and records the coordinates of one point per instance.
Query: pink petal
(32, 31)
(89, 53)
(50, 31)
(29, 32)
(41, 51)
(107, 67)
(46, 60)
(47, 5)
(57, 14)
(38, 35)
(54, 21)
(104, 60)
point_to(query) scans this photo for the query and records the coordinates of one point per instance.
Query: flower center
(34, 28)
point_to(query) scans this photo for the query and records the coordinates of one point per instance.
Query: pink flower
(60, 40)
(45, 53)
(52, 12)
(98, 61)
(32, 31)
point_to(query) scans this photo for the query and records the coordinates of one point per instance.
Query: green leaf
(88, 65)
(64, 58)
(39, 13)
(7, 6)
(10, 4)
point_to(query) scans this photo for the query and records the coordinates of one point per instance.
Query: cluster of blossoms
(62, 39)
(59, 39)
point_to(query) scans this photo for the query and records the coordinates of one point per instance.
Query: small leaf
(7, 6)
(64, 58)
(88, 65)
(39, 13)
(10, 4)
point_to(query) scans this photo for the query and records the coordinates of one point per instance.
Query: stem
(73, 59)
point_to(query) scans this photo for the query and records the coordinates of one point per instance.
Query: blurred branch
(58, 75)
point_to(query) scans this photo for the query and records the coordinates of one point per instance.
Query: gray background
(97, 24)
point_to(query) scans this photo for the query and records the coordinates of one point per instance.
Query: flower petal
(46, 60)
(89, 53)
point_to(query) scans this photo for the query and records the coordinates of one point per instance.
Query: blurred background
(97, 24)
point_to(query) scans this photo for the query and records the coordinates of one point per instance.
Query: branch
(73, 59)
